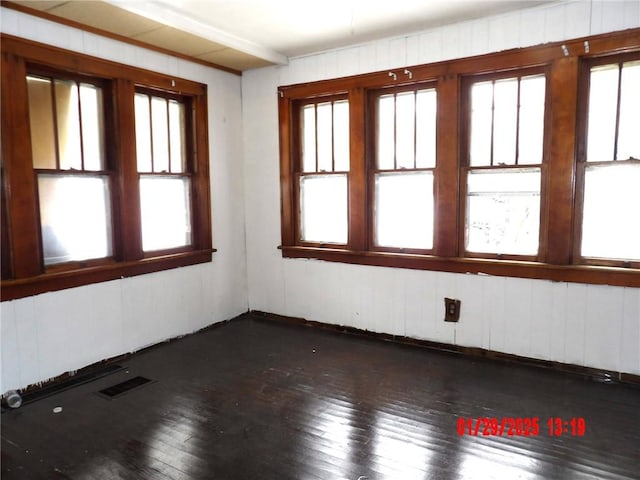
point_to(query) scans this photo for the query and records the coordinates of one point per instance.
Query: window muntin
(66, 120)
(507, 121)
(505, 157)
(404, 169)
(165, 185)
(612, 169)
(323, 174)
(614, 112)
(67, 138)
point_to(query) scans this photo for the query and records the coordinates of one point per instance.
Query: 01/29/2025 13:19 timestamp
(521, 426)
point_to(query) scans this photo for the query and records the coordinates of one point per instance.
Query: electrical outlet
(451, 310)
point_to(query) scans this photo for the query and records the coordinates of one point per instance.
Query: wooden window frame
(466, 167)
(581, 160)
(189, 167)
(371, 162)
(23, 269)
(298, 170)
(556, 259)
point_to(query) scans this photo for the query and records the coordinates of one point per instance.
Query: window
(105, 172)
(610, 167)
(403, 173)
(73, 183)
(522, 163)
(324, 170)
(164, 183)
(503, 177)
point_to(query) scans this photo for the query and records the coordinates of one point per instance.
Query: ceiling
(245, 34)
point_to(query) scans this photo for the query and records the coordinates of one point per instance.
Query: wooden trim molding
(616, 276)
(54, 281)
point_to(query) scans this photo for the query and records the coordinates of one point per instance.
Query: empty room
(338, 240)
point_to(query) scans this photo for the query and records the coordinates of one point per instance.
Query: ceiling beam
(163, 12)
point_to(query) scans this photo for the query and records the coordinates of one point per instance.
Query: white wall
(47, 335)
(590, 325)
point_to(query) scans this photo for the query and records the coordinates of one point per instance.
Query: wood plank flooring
(254, 399)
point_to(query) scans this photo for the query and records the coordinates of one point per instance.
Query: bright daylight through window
(67, 141)
(405, 160)
(505, 157)
(611, 212)
(325, 167)
(164, 185)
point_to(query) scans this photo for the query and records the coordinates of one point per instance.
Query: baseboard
(594, 374)
(95, 370)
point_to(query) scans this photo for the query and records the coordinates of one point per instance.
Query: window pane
(143, 133)
(404, 210)
(503, 211)
(166, 214)
(405, 130)
(386, 135)
(325, 134)
(309, 138)
(75, 217)
(531, 134)
(92, 130)
(505, 117)
(629, 129)
(160, 134)
(426, 108)
(341, 135)
(176, 134)
(43, 145)
(68, 125)
(323, 208)
(603, 100)
(480, 144)
(611, 222)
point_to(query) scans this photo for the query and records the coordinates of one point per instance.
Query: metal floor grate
(120, 389)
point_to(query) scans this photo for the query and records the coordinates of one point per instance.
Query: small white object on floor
(57, 409)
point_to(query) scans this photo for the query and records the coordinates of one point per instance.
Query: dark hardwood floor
(255, 399)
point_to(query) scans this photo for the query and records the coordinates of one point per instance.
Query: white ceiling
(299, 27)
(242, 34)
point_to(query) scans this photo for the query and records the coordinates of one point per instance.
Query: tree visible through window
(505, 157)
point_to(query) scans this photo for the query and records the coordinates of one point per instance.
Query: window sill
(53, 281)
(589, 274)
